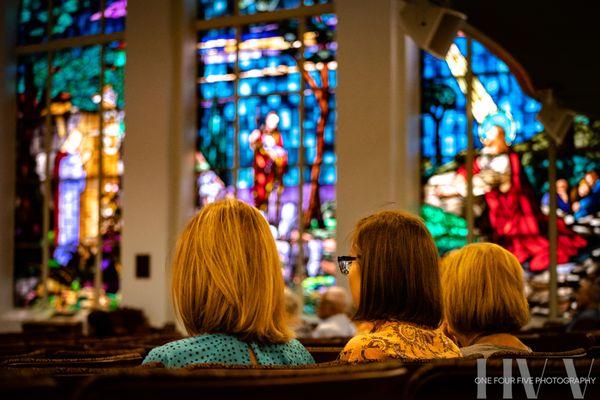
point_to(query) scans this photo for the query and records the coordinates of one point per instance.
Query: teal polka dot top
(227, 349)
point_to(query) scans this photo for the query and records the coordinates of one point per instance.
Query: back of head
(293, 306)
(483, 290)
(399, 270)
(588, 295)
(332, 302)
(227, 275)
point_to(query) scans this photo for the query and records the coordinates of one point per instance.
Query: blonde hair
(483, 290)
(227, 275)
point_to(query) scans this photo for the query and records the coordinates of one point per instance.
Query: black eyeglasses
(344, 263)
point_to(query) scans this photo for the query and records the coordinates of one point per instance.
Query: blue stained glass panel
(312, 117)
(260, 6)
(209, 9)
(316, 2)
(216, 132)
(72, 18)
(443, 120)
(483, 61)
(33, 21)
(269, 59)
(443, 117)
(216, 63)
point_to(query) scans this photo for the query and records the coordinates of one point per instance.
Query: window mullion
(236, 97)
(470, 145)
(301, 270)
(99, 244)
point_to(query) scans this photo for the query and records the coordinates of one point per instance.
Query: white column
(378, 114)
(8, 14)
(158, 154)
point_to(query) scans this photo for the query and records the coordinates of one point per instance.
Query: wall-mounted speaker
(433, 28)
(556, 119)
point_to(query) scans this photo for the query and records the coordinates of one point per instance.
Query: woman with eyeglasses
(395, 284)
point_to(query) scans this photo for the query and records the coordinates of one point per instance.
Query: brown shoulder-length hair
(400, 279)
(227, 275)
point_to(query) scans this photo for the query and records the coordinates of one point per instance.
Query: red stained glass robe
(268, 168)
(519, 225)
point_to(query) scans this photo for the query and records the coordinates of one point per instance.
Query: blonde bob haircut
(227, 275)
(483, 290)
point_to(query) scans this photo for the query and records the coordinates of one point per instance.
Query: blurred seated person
(484, 299)
(587, 197)
(332, 309)
(293, 309)
(587, 315)
(228, 291)
(394, 280)
(563, 202)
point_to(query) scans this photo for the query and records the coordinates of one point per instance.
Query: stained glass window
(510, 164)
(71, 173)
(265, 140)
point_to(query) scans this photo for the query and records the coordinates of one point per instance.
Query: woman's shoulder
(399, 340)
(291, 352)
(205, 340)
(364, 347)
(202, 348)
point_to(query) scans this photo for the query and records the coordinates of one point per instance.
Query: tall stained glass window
(266, 126)
(70, 130)
(509, 168)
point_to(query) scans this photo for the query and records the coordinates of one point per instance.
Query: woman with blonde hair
(484, 299)
(228, 292)
(393, 272)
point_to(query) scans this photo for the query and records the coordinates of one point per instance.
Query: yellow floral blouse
(389, 340)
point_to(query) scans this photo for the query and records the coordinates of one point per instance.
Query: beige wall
(153, 201)
(378, 102)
